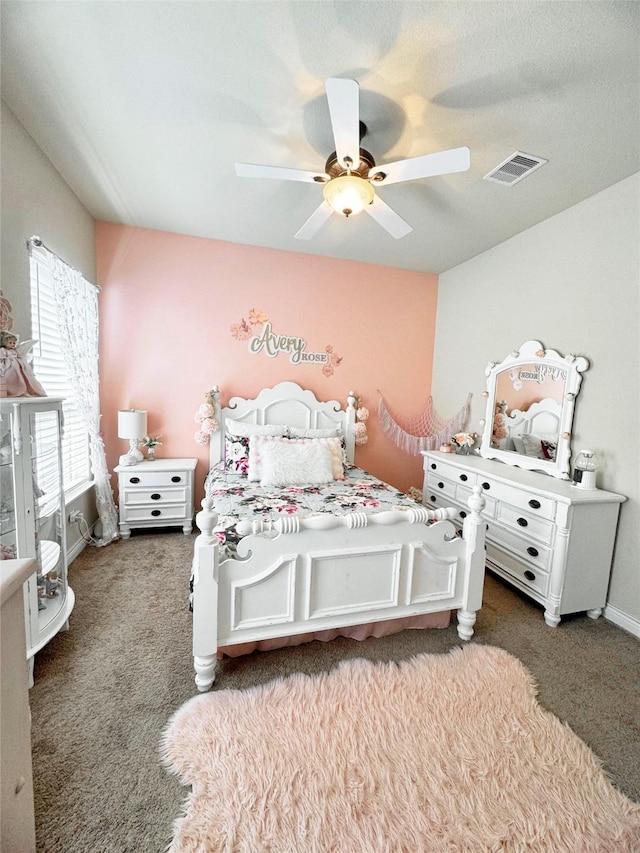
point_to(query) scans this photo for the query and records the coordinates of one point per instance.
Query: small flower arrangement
(151, 443)
(463, 441)
(148, 441)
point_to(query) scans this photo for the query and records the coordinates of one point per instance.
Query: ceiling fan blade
(249, 170)
(388, 218)
(344, 108)
(315, 222)
(427, 166)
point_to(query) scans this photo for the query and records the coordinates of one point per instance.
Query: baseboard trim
(76, 549)
(622, 620)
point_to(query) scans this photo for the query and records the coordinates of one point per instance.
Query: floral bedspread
(237, 498)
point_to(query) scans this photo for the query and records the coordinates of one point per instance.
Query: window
(49, 367)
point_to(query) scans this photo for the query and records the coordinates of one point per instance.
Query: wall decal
(258, 330)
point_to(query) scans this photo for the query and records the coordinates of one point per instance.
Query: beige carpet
(437, 753)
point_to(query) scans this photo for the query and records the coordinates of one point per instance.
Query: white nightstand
(156, 494)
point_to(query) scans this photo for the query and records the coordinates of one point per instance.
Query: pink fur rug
(437, 753)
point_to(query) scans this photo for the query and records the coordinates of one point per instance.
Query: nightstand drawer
(166, 512)
(152, 479)
(136, 496)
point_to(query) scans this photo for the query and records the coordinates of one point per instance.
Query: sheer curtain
(77, 307)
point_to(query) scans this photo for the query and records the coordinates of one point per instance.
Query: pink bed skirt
(355, 632)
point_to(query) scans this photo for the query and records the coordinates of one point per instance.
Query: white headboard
(286, 403)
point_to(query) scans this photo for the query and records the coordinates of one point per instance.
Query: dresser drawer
(463, 494)
(537, 528)
(521, 498)
(135, 496)
(532, 578)
(439, 485)
(152, 479)
(531, 552)
(450, 472)
(165, 512)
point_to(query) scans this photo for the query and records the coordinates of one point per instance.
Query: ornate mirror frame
(519, 378)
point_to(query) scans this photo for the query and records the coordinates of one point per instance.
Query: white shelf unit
(32, 512)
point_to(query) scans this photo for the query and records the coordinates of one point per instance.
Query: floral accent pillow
(236, 454)
(548, 448)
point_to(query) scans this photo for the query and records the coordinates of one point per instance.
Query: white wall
(36, 201)
(571, 282)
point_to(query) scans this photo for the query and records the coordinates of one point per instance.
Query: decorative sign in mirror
(530, 402)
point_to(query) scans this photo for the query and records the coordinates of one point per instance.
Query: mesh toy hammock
(425, 431)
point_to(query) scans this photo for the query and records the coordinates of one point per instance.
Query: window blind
(49, 367)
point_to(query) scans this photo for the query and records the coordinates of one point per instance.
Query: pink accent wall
(167, 306)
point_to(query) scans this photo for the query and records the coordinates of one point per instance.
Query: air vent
(515, 168)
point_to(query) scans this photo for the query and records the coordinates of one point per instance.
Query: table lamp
(132, 424)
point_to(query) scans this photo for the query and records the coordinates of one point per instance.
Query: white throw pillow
(243, 429)
(532, 445)
(299, 432)
(293, 463)
(257, 442)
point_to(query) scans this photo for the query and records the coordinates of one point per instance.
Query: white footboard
(304, 575)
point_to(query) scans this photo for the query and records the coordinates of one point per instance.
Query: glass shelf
(32, 511)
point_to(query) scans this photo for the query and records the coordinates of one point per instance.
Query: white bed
(536, 430)
(302, 575)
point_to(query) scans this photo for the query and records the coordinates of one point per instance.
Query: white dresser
(549, 539)
(156, 494)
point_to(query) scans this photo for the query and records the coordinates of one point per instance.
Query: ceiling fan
(350, 176)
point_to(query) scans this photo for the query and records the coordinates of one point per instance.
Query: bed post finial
(207, 518)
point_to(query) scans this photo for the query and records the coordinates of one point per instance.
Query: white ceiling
(144, 108)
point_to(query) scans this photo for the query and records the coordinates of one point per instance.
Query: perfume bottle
(584, 470)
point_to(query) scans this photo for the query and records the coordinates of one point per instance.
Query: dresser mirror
(530, 403)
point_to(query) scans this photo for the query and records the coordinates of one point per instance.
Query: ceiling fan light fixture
(348, 194)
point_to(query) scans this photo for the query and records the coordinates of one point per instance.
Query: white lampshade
(348, 194)
(132, 423)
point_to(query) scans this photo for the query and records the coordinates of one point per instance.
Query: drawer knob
(156, 512)
(463, 514)
(534, 504)
(486, 486)
(433, 466)
(529, 575)
(176, 479)
(156, 496)
(522, 522)
(134, 479)
(441, 485)
(432, 498)
(464, 478)
(533, 552)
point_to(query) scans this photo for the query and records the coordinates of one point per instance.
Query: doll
(500, 430)
(16, 375)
